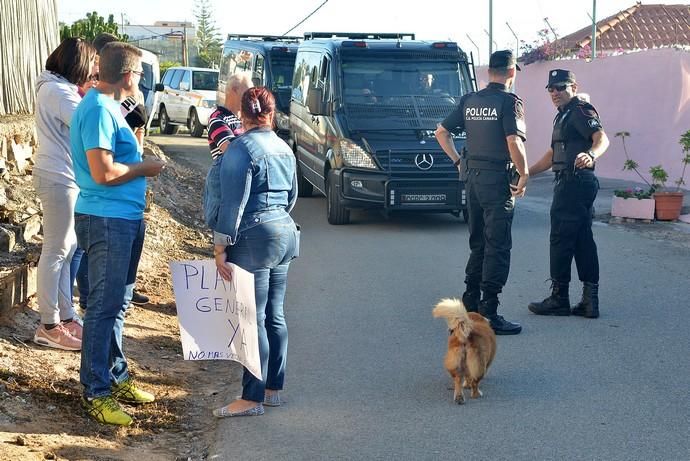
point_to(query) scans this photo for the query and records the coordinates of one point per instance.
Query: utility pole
(594, 29)
(184, 44)
(491, 27)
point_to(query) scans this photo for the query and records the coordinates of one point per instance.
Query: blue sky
(428, 19)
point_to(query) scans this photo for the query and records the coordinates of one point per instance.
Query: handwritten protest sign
(217, 318)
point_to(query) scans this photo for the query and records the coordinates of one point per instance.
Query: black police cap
(560, 76)
(503, 59)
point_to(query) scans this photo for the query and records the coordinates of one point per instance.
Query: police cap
(503, 59)
(560, 77)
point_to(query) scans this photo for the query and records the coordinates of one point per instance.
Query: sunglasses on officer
(558, 88)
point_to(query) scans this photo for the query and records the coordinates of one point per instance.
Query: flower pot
(632, 208)
(668, 205)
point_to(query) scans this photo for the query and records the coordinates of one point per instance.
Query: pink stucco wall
(645, 93)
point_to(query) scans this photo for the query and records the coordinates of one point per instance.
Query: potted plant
(667, 204)
(637, 202)
(633, 203)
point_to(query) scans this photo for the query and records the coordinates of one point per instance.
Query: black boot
(470, 298)
(589, 306)
(501, 326)
(556, 304)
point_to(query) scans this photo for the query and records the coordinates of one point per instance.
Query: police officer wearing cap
(578, 140)
(494, 122)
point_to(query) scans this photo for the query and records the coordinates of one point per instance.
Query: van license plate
(423, 198)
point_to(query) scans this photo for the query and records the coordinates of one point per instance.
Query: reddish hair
(258, 105)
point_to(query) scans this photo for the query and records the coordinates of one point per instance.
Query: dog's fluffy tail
(453, 310)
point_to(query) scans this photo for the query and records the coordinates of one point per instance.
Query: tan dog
(471, 346)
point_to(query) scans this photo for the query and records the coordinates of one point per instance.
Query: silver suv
(189, 97)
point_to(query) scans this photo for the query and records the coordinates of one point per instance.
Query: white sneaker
(58, 338)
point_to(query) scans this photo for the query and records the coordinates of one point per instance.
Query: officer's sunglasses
(559, 88)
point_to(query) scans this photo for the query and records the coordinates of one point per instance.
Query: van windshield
(204, 80)
(402, 78)
(415, 93)
(280, 80)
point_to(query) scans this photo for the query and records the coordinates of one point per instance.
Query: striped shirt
(223, 126)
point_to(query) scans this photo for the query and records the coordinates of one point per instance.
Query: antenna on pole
(546, 20)
(517, 40)
(476, 47)
(517, 49)
(594, 29)
(490, 39)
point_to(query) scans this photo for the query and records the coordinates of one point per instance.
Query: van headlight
(354, 155)
(208, 103)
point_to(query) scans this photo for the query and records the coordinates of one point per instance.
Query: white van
(148, 81)
(188, 98)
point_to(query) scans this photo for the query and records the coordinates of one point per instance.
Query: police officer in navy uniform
(494, 122)
(577, 141)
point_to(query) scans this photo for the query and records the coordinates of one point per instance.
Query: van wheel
(196, 129)
(337, 213)
(166, 126)
(304, 187)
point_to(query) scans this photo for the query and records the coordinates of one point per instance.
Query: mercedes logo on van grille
(424, 161)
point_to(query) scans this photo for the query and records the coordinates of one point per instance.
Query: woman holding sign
(255, 232)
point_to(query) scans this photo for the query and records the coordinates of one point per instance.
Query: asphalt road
(365, 375)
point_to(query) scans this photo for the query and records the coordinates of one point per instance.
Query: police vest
(566, 141)
(486, 139)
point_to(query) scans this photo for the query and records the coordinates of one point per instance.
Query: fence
(28, 34)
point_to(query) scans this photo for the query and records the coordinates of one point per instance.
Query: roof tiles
(638, 27)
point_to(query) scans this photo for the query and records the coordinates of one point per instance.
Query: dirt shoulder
(40, 414)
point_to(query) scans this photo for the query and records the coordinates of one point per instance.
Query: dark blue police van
(270, 59)
(363, 112)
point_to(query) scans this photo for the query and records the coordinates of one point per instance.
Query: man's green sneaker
(128, 392)
(106, 410)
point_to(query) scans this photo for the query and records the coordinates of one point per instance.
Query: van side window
(245, 60)
(324, 77)
(306, 75)
(227, 65)
(175, 82)
(298, 79)
(258, 75)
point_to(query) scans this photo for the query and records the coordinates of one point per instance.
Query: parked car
(270, 60)
(188, 98)
(363, 112)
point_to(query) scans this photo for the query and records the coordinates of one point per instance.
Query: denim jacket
(258, 183)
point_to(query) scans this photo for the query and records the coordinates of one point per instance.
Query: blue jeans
(266, 251)
(78, 270)
(114, 247)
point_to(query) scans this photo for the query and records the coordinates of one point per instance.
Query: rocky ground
(40, 414)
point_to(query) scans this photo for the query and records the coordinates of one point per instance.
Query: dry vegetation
(40, 414)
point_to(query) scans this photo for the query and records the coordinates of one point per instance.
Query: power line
(308, 16)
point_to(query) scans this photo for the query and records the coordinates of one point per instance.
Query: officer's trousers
(490, 207)
(571, 237)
